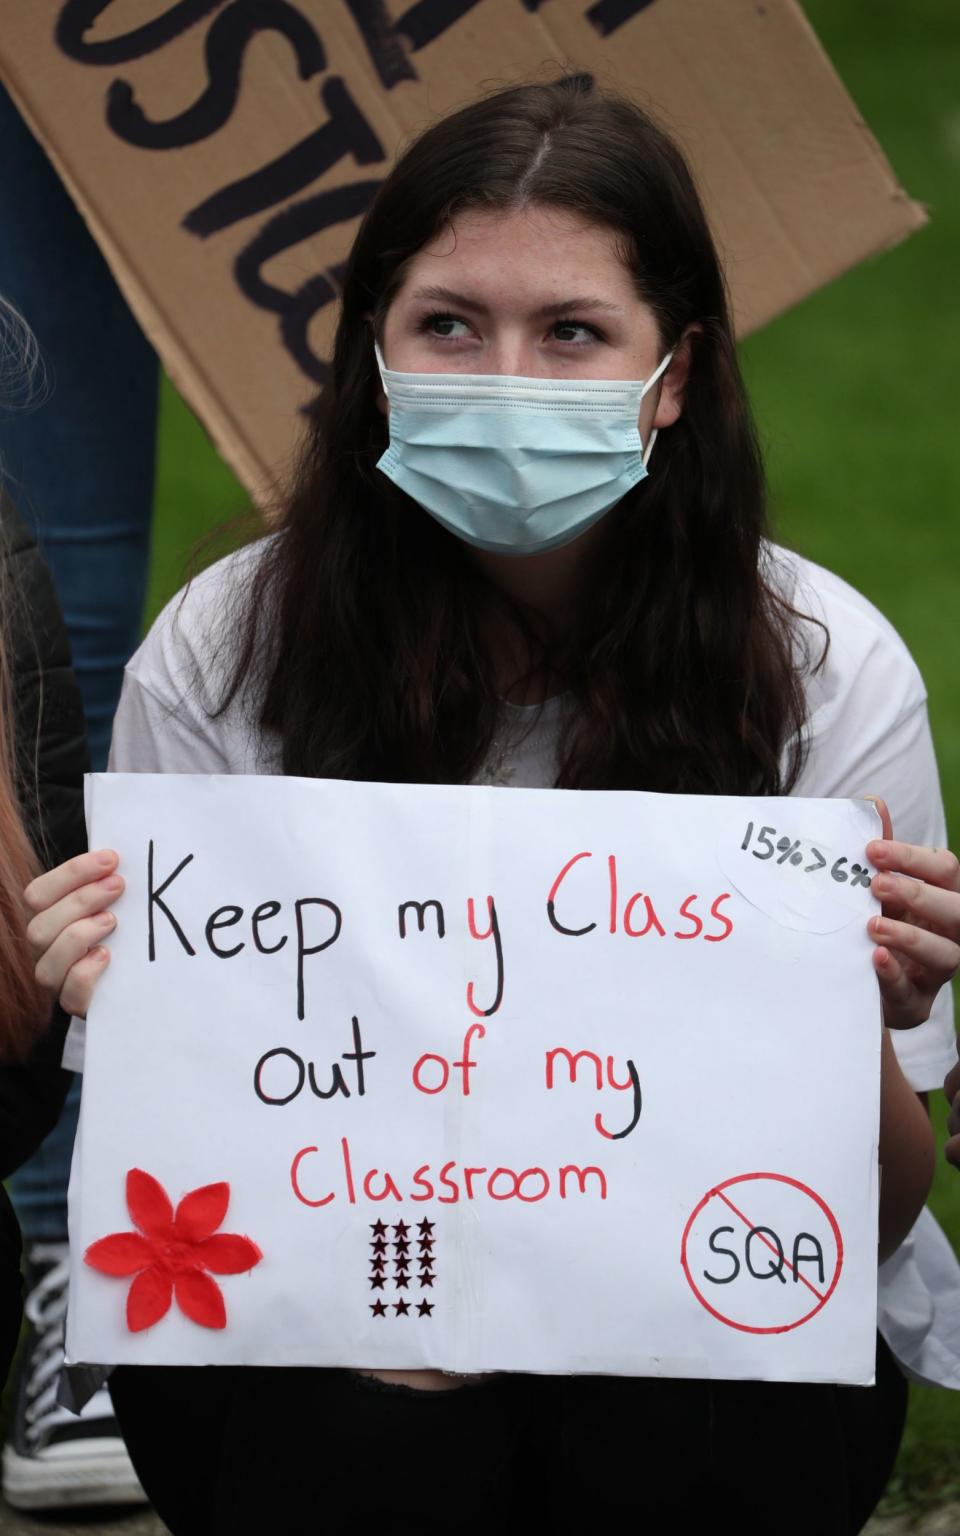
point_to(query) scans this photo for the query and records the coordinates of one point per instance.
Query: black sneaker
(52, 1458)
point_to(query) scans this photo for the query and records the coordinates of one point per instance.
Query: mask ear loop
(382, 367)
(661, 369)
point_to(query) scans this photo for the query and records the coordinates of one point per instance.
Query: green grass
(856, 395)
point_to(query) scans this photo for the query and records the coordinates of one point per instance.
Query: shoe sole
(69, 1482)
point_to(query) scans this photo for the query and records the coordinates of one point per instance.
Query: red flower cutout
(174, 1254)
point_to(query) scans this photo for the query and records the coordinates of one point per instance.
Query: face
(537, 292)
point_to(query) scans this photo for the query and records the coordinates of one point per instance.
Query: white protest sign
(480, 1079)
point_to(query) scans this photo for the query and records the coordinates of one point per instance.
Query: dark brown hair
(360, 627)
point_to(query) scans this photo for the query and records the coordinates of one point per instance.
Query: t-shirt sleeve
(170, 717)
(150, 735)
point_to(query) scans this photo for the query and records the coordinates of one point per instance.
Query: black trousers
(225, 1450)
(11, 1285)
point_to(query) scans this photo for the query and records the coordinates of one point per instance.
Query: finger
(903, 1007)
(951, 1085)
(72, 945)
(952, 1151)
(886, 825)
(932, 953)
(937, 866)
(920, 903)
(953, 1118)
(935, 907)
(81, 980)
(51, 887)
(45, 927)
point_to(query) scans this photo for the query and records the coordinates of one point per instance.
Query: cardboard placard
(452, 1077)
(223, 154)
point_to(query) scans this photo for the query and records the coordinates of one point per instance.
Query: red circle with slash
(720, 1193)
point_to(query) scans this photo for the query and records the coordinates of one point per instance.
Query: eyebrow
(464, 301)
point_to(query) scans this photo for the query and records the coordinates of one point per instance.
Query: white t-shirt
(867, 731)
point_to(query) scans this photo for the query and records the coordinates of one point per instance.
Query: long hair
(361, 628)
(24, 1006)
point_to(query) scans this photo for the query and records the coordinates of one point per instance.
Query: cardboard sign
(394, 1076)
(223, 153)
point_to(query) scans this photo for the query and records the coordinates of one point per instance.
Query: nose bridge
(512, 348)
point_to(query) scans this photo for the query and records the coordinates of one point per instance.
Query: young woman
(527, 545)
(42, 762)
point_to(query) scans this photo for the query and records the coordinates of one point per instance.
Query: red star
(425, 1244)
(401, 1229)
(379, 1263)
(400, 1281)
(378, 1309)
(174, 1254)
(401, 1245)
(426, 1279)
(377, 1282)
(425, 1227)
(424, 1308)
(378, 1228)
(425, 1260)
(401, 1307)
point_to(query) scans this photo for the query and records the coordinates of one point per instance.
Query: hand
(951, 1087)
(918, 933)
(69, 923)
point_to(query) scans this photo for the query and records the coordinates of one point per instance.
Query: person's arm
(951, 1088)
(907, 1152)
(51, 759)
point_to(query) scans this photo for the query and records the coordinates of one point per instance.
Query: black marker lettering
(419, 25)
(215, 921)
(772, 1268)
(288, 228)
(420, 907)
(607, 15)
(302, 949)
(267, 1098)
(77, 17)
(815, 1257)
(224, 48)
(346, 133)
(263, 913)
(337, 1084)
(154, 901)
(359, 1055)
(728, 1253)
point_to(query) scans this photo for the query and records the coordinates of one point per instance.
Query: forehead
(521, 255)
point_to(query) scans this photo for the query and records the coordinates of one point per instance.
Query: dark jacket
(51, 761)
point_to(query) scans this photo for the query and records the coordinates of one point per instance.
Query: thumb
(885, 822)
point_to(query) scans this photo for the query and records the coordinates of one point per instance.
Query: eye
(562, 330)
(443, 327)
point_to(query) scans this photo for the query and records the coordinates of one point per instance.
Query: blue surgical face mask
(511, 464)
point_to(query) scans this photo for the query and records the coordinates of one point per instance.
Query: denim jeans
(80, 469)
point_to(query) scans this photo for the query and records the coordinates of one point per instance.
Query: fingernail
(106, 859)
(107, 920)
(883, 885)
(113, 884)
